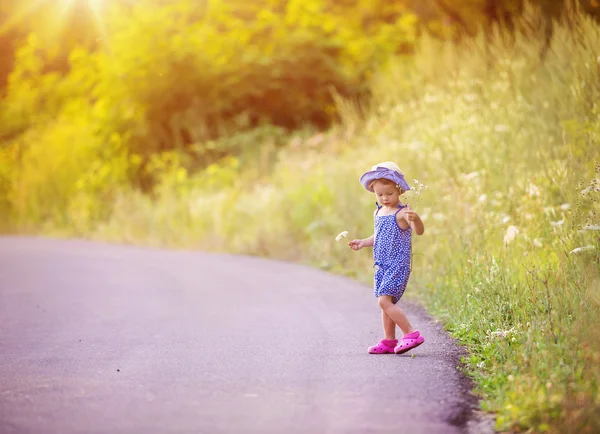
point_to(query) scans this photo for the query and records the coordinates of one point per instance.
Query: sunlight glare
(94, 6)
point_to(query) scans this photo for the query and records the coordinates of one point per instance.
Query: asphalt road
(98, 338)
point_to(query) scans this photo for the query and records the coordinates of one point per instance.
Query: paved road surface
(98, 338)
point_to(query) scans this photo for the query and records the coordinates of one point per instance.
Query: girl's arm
(368, 242)
(417, 225)
(359, 244)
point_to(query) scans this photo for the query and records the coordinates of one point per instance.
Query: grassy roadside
(510, 153)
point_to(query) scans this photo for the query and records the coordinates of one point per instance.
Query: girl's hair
(386, 182)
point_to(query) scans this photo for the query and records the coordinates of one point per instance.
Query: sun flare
(92, 5)
(79, 8)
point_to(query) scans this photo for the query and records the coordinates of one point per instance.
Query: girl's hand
(409, 215)
(356, 244)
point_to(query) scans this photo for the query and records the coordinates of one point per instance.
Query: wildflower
(503, 333)
(511, 233)
(582, 249)
(557, 224)
(482, 198)
(591, 228)
(533, 190)
(341, 235)
(565, 206)
(537, 243)
(480, 365)
(415, 192)
(505, 219)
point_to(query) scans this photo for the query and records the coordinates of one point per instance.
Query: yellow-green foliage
(508, 147)
(178, 76)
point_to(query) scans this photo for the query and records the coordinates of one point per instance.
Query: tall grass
(509, 148)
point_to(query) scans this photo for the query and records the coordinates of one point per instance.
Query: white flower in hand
(341, 235)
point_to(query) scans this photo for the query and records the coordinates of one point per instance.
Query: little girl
(394, 224)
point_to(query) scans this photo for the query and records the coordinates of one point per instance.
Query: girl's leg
(395, 314)
(389, 326)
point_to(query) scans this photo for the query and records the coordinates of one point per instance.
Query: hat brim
(383, 173)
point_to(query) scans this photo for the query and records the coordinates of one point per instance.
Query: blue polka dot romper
(391, 253)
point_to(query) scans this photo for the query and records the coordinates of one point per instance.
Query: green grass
(505, 144)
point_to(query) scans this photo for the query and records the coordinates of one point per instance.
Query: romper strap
(378, 207)
(400, 207)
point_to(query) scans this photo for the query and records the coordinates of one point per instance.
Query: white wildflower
(511, 233)
(537, 243)
(582, 249)
(505, 219)
(591, 228)
(482, 198)
(533, 190)
(416, 182)
(341, 235)
(480, 365)
(503, 333)
(565, 206)
(557, 224)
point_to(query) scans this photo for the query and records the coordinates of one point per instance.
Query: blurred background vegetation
(243, 126)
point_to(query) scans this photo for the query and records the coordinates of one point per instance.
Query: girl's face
(387, 194)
